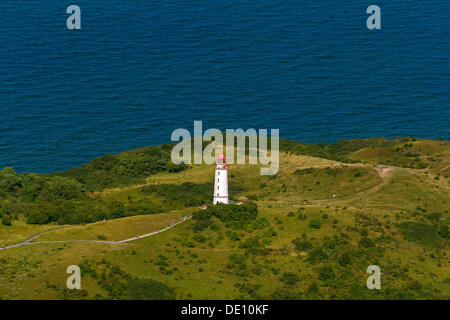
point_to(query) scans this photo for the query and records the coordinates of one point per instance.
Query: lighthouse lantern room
(221, 180)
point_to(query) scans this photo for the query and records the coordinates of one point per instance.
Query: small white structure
(221, 180)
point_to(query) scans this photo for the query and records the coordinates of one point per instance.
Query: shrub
(189, 243)
(6, 220)
(253, 197)
(199, 238)
(260, 223)
(316, 254)
(302, 245)
(234, 216)
(289, 279)
(364, 232)
(414, 285)
(253, 246)
(443, 231)
(314, 224)
(302, 216)
(201, 225)
(10, 181)
(344, 259)
(64, 188)
(148, 289)
(326, 273)
(237, 261)
(365, 242)
(421, 233)
(233, 235)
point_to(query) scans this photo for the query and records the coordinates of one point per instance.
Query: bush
(317, 254)
(302, 216)
(253, 246)
(6, 220)
(421, 233)
(326, 273)
(253, 197)
(414, 285)
(344, 259)
(234, 236)
(199, 238)
(237, 262)
(148, 289)
(289, 279)
(57, 187)
(200, 225)
(443, 231)
(314, 224)
(234, 216)
(10, 181)
(260, 223)
(189, 244)
(365, 242)
(302, 245)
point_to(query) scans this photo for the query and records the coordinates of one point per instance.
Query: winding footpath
(29, 241)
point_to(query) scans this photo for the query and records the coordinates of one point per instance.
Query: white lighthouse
(221, 180)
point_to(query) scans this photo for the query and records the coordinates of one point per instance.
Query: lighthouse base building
(221, 180)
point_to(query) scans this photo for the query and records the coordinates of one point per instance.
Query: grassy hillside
(308, 232)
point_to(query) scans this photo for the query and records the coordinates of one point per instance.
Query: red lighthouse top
(221, 161)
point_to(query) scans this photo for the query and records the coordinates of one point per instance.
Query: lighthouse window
(218, 173)
(218, 180)
(217, 194)
(217, 187)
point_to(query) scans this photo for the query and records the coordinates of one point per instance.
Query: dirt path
(29, 241)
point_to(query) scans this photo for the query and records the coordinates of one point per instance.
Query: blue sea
(137, 70)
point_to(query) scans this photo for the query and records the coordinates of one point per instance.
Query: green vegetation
(403, 152)
(126, 168)
(119, 285)
(309, 232)
(179, 196)
(63, 197)
(421, 233)
(6, 220)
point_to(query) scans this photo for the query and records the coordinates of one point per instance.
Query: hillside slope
(310, 232)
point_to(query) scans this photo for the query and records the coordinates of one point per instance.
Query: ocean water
(137, 70)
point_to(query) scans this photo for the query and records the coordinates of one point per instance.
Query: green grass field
(304, 244)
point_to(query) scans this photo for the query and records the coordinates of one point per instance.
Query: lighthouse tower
(221, 180)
